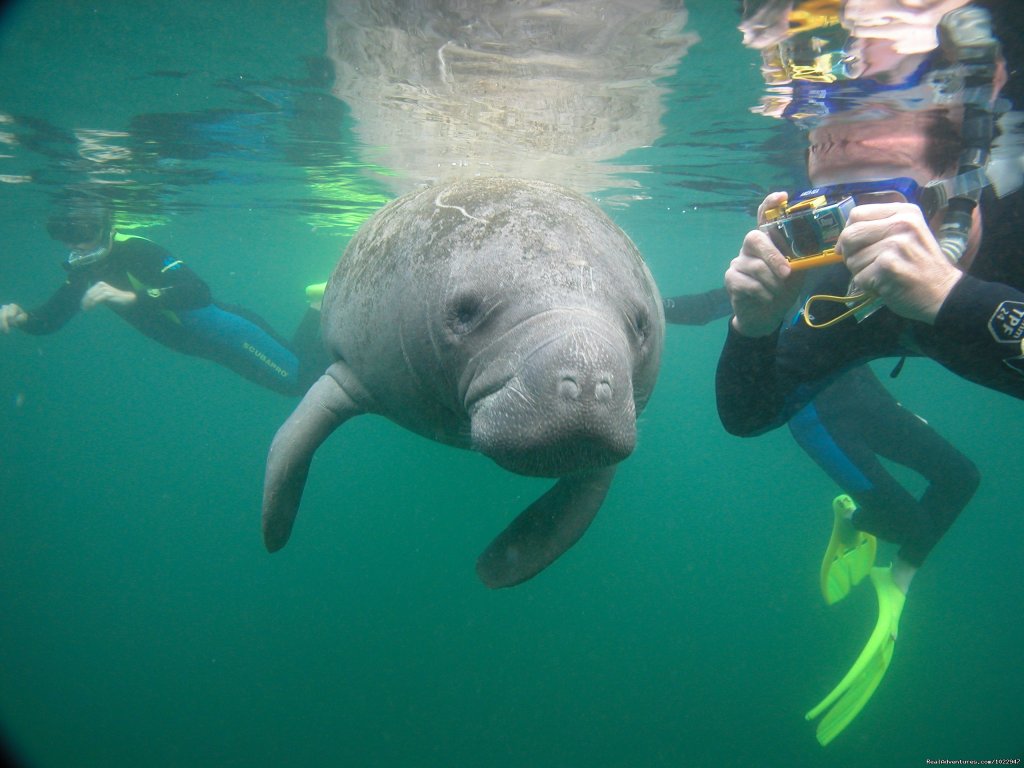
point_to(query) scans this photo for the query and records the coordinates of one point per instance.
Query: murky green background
(142, 622)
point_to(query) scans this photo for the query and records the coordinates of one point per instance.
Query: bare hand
(891, 252)
(760, 283)
(104, 292)
(11, 316)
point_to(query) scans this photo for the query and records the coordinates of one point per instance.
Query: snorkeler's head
(85, 227)
(80, 221)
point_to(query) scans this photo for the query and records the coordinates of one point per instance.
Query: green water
(143, 624)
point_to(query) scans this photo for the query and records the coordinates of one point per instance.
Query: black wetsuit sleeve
(58, 310)
(697, 308)
(979, 334)
(750, 399)
(166, 283)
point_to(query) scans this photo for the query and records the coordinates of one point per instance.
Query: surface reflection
(541, 90)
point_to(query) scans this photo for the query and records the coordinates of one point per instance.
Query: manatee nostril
(568, 388)
(603, 391)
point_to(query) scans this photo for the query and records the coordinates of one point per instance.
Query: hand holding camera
(885, 241)
(892, 253)
(761, 283)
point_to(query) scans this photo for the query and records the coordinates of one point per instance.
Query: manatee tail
(544, 530)
(324, 408)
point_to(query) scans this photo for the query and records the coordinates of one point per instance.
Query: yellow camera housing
(806, 231)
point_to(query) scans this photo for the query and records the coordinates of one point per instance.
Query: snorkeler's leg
(902, 437)
(874, 504)
(903, 573)
(240, 344)
(862, 421)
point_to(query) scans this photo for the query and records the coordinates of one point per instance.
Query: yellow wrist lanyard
(856, 302)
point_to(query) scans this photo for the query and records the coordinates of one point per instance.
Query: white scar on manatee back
(438, 202)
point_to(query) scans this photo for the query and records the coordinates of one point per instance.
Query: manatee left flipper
(325, 407)
(544, 530)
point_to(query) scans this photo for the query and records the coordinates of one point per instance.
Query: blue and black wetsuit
(765, 382)
(856, 420)
(847, 427)
(175, 308)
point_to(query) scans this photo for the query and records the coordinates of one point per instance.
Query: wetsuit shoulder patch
(1007, 323)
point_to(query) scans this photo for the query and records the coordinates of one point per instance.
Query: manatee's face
(554, 364)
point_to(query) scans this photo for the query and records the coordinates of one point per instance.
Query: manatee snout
(568, 407)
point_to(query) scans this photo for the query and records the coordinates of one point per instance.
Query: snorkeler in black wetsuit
(848, 426)
(765, 381)
(900, 126)
(912, 241)
(167, 302)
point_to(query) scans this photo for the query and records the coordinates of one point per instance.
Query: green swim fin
(849, 556)
(848, 698)
(315, 294)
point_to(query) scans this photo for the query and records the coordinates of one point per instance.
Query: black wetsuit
(848, 426)
(175, 308)
(697, 308)
(856, 420)
(765, 382)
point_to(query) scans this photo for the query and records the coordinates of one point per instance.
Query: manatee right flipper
(544, 530)
(325, 407)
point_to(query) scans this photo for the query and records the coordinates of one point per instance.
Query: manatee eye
(642, 324)
(465, 313)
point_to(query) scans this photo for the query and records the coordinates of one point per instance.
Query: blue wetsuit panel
(809, 432)
(243, 346)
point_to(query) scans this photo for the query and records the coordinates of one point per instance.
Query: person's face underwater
(870, 149)
(899, 144)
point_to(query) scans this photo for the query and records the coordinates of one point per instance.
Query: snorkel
(965, 36)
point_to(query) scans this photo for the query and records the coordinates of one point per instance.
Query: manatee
(500, 315)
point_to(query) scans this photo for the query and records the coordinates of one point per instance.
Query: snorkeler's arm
(57, 311)
(169, 284)
(981, 334)
(750, 400)
(697, 308)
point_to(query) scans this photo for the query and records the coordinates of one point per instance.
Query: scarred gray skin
(504, 316)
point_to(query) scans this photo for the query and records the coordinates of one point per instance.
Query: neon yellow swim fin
(849, 556)
(848, 698)
(315, 294)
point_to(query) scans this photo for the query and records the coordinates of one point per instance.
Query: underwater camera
(806, 231)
